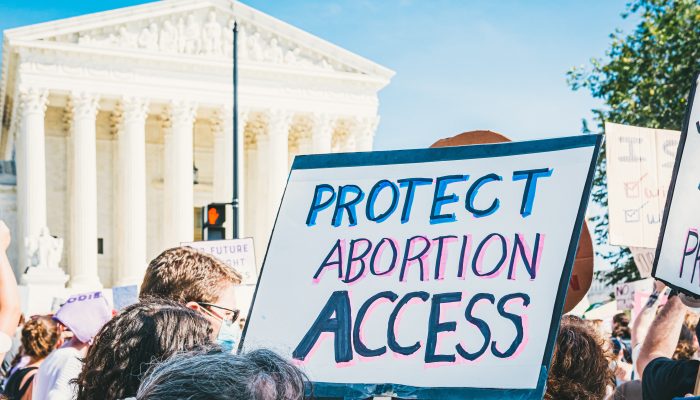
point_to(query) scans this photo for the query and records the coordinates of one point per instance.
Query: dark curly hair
(146, 332)
(580, 365)
(39, 337)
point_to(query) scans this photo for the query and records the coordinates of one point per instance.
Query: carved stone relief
(204, 32)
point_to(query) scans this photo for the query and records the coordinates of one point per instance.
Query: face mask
(228, 335)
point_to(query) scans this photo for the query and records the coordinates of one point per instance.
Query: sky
(460, 64)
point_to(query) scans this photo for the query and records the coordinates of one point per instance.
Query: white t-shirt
(52, 381)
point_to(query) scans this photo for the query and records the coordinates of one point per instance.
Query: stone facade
(107, 114)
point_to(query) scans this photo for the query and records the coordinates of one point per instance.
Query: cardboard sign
(678, 254)
(124, 296)
(643, 259)
(640, 164)
(428, 273)
(236, 253)
(625, 292)
(582, 275)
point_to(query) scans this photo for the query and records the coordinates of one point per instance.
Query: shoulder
(664, 378)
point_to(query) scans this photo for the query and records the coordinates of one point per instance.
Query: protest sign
(124, 296)
(677, 258)
(625, 293)
(428, 273)
(236, 253)
(639, 167)
(643, 259)
(582, 275)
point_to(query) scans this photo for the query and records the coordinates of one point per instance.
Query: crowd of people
(177, 342)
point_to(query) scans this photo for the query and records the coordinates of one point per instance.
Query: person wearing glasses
(200, 282)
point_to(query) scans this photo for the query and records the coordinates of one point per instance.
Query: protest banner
(639, 167)
(429, 273)
(677, 258)
(626, 293)
(236, 253)
(582, 275)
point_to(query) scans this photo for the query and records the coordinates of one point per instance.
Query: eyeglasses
(229, 314)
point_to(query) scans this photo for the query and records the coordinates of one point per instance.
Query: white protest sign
(639, 168)
(643, 259)
(124, 296)
(236, 253)
(678, 253)
(423, 269)
(625, 292)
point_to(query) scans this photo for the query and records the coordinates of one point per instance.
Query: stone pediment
(201, 29)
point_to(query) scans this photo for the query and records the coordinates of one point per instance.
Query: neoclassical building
(119, 124)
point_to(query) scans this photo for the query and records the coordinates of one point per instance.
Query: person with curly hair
(40, 336)
(580, 367)
(146, 332)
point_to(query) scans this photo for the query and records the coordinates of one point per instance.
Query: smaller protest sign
(677, 261)
(643, 259)
(640, 163)
(124, 296)
(236, 253)
(625, 293)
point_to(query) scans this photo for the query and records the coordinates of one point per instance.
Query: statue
(211, 35)
(168, 37)
(274, 52)
(126, 38)
(148, 39)
(44, 251)
(191, 36)
(256, 47)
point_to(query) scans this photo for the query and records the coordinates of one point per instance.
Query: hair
(184, 274)
(621, 328)
(143, 333)
(39, 337)
(685, 349)
(580, 364)
(259, 374)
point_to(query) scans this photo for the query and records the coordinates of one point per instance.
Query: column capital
(33, 100)
(323, 124)
(366, 126)
(133, 109)
(278, 122)
(83, 105)
(182, 112)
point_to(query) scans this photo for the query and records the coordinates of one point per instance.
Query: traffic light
(214, 216)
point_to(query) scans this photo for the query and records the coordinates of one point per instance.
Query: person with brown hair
(197, 280)
(146, 332)
(40, 336)
(580, 367)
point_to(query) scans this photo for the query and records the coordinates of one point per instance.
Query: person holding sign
(677, 264)
(662, 377)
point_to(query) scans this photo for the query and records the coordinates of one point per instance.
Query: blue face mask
(228, 336)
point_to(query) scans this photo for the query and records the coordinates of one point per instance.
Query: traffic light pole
(234, 202)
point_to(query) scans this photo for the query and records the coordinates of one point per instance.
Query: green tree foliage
(643, 80)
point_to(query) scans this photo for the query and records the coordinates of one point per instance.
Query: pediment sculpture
(205, 33)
